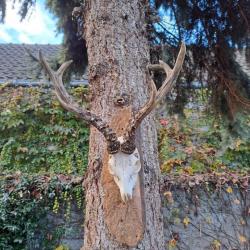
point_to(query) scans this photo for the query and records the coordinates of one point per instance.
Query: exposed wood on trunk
(124, 220)
(118, 54)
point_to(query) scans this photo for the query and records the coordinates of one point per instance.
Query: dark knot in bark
(122, 100)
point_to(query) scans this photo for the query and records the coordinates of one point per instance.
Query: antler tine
(155, 97)
(172, 74)
(147, 108)
(128, 146)
(67, 102)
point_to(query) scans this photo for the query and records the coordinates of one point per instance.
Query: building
(19, 67)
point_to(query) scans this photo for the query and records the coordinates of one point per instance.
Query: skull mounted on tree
(124, 159)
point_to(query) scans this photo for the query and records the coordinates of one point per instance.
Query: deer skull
(125, 168)
(124, 160)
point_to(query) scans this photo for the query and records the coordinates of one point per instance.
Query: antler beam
(67, 102)
(172, 74)
(155, 96)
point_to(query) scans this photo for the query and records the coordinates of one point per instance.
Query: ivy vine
(37, 135)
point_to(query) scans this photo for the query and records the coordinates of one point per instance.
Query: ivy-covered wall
(41, 212)
(37, 135)
(207, 211)
(203, 141)
(205, 163)
(43, 158)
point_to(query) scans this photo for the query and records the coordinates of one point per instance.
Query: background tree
(212, 30)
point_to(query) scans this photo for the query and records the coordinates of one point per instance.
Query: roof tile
(16, 63)
(17, 66)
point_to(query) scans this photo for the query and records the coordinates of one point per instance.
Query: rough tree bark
(118, 53)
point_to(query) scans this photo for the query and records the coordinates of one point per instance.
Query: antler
(67, 102)
(172, 74)
(127, 145)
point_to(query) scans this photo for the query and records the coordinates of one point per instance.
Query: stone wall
(65, 226)
(198, 218)
(203, 219)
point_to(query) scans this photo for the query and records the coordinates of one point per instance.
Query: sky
(38, 27)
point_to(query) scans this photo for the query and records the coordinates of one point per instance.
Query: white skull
(125, 168)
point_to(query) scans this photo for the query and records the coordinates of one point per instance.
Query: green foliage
(62, 247)
(16, 223)
(37, 135)
(73, 43)
(212, 30)
(203, 143)
(238, 155)
(24, 204)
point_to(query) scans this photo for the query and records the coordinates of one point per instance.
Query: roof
(17, 66)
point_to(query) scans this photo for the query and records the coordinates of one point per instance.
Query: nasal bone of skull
(127, 194)
(125, 168)
(126, 197)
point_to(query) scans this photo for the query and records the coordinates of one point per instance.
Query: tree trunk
(118, 53)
